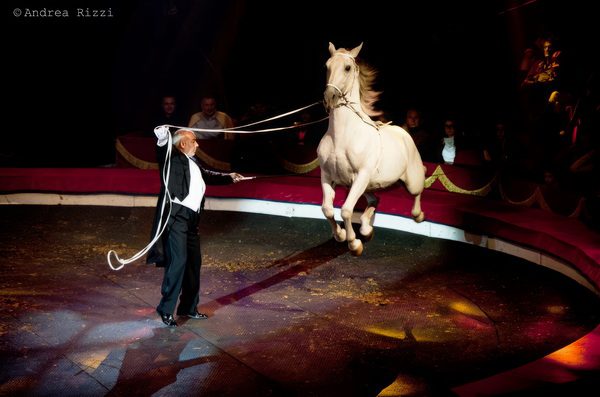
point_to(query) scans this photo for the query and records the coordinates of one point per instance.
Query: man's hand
(236, 177)
(162, 133)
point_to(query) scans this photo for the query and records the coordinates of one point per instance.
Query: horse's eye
(347, 68)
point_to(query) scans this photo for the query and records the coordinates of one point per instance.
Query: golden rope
(438, 173)
(537, 197)
(213, 162)
(131, 159)
(300, 168)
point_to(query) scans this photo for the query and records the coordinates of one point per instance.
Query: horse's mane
(368, 96)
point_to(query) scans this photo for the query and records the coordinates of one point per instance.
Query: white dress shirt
(197, 188)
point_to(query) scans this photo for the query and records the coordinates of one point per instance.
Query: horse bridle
(344, 100)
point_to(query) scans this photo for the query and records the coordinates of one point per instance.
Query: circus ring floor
(291, 313)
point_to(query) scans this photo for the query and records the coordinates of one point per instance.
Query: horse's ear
(332, 49)
(354, 52)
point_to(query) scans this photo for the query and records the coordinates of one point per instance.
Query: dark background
(74, 84)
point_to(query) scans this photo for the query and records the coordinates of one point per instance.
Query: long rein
(240, 129)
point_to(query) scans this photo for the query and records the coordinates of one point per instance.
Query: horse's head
(342, 72)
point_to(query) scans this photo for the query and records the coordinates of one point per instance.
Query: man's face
(188, 143)
(412, 119)
(209, 107)
(168, 105)
(547, 48)
(449, 128)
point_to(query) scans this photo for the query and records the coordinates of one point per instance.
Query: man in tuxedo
(178, 249)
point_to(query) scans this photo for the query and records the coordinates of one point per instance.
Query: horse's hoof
(358, 252)
(356, 248)
(368, 237)
(420, 218)
(341, 236)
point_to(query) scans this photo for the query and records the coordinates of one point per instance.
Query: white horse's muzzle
(332, 96)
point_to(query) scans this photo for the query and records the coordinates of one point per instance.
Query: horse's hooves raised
(368, 237)
(358, 252)
(420, 218)
(357, 249)
(341, 236)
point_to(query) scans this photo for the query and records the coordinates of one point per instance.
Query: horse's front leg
(356, 190)
(367, 218)
(328, 195)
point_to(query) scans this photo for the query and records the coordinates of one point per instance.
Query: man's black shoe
(195, 315)
(167, 318)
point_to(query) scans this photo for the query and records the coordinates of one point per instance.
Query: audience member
(169, 113)
(450, 143)
(580, 162)
(258, 111)
(422, 138)
(456, 147)
(544, 68)
(306, 133)
(412, 121)
(556, 126)
(541, 79)
(252, 151)
(211, 118)
(496, 149)
(526, 157)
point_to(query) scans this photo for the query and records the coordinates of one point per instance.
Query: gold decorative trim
(131, 159)
(528, 202)
(300, 168)
(438, 173)
(580, 206)
(537, 197)
(213, 162)
(433, 177)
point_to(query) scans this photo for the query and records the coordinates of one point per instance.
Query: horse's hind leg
(328, 195)
(367, 218)
(417, 212)
(415, 184)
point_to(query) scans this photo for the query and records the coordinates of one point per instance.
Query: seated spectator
(250, 150)
(308, 134)
(212, 119)
(556, 128)
(448, 145)
(542, 67)
(496, 150)
(456, 148)
(258, 111)
(545, 68)
(580, 163)
(168, 114)
(422, 138)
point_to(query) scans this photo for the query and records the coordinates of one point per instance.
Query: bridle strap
(348, 104)
(344, 99)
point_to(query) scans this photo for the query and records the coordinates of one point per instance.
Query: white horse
(360, 153)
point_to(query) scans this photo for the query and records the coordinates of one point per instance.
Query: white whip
(238, 130)
(160, 228)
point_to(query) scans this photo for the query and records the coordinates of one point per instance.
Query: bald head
(185, 141)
